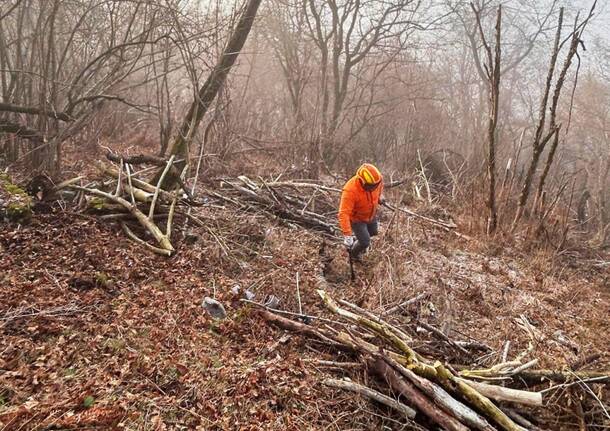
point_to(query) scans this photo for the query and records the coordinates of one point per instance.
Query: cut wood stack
(437, 392)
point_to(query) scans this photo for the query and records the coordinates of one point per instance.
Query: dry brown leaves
(98, 333)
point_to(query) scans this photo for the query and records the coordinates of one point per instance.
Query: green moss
(12, 189)
(17, 206)
(97, 203)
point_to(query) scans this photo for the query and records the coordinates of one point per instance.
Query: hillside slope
(96, 332)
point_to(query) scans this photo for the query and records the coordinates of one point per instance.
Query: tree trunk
(207, 93)
(493, 124)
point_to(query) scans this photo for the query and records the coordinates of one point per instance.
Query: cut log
(438, 372)
(501, 393)
(411, 393)
(437, 394)
(443, 399)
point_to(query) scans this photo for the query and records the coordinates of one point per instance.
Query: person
(360, 199)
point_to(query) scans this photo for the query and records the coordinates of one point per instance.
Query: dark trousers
(363, 233)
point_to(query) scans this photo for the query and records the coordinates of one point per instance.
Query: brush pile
(413, 385)
(141, 199)
(128, 197)
(307, 204)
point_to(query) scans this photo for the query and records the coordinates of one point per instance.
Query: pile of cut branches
(451, 397)
(126, 196)
(307, 204)
(310, 204)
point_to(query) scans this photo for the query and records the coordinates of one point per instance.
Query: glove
(348, 241)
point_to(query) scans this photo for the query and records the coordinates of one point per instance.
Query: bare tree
(492, 69)
(346, 33)
(61, 64)
(207, 93)
(544, 133)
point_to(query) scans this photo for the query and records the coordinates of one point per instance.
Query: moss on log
(15, 203)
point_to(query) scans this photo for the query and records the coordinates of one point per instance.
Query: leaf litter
(97, 333)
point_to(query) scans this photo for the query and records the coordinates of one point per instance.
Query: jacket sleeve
(345, 212)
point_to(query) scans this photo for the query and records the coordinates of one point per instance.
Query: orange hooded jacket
(357, 204)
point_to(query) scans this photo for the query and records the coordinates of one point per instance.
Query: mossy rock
(15, 203)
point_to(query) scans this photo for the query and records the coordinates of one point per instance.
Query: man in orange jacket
(360, 198)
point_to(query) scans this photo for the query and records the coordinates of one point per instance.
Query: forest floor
(96, 332)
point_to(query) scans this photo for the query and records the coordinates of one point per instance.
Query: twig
(593, 394)
(567, 385)
(151, 212)
(289, 313)
(27, 312)
(406, 303)
(128, 172)
(505, 351)
(523, 367)
(338, 364)
(117, 192)
(441, 335)
(299, 295)
(140, 241)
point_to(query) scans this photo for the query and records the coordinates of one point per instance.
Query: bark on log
(501, 393)
(410, 392)
(444, 400)
(137, 159)
(437, 394)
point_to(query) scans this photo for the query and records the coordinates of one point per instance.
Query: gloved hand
(348, 241)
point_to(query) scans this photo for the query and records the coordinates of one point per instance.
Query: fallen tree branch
(436, 372)
(140, 241)
(9, 107)
(148, 224)
(167, 197)
(501, 393)
(406, 411)
(539, 376)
